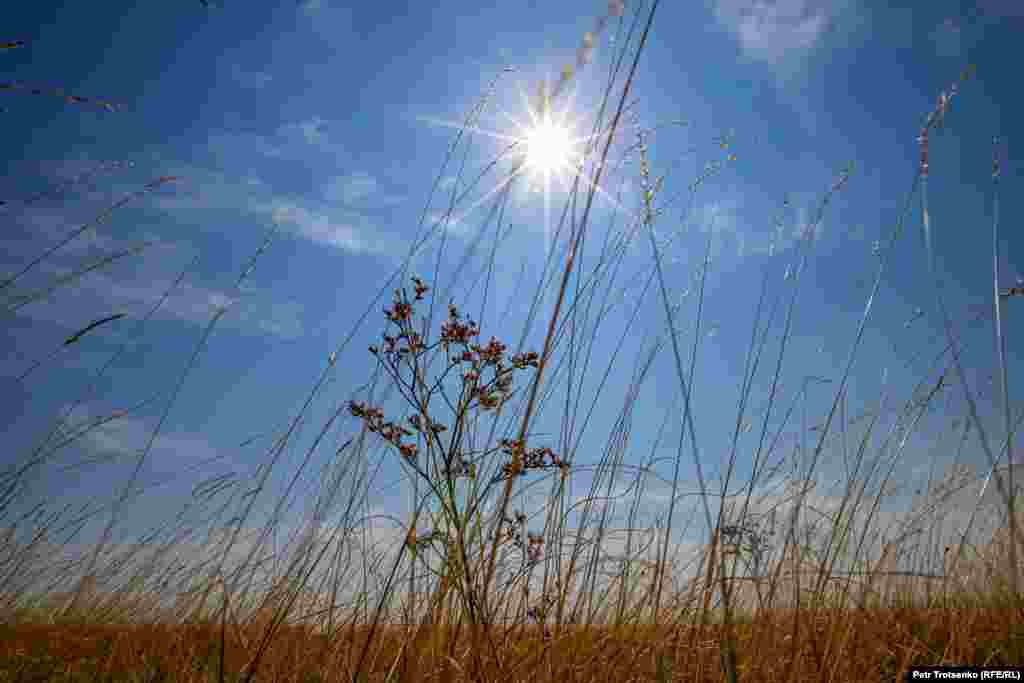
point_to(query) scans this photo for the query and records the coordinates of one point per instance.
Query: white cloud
(252, 312)
(204, 189)
(53, 226)
(171, 452)
(190, 303)
(769, 30)
(452, 224)
(360, 189)
(292, 140)
(785, 35)
(352, 188)
(345, 231)
(788, 234)
(281, 319)
(719, 219)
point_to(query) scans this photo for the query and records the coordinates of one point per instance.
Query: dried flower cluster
(486, 373)
(1012, 291)
(389, 431)
(532, 546)
(460, 468)
(491, 393)
(425, 425)
(936, 118)
(749, 539)
(457, 331)
(523, 460)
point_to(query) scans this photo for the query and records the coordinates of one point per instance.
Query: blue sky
(327, 116)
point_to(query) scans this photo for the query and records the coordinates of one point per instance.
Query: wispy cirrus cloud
(345, 230)
(361, 190)
(351, 189)
(451, 223)
(204, 189)
(786, 35)
(292, 140)
(170, 453)
(51, 225)
(252, 311)
(769, 30)
(785, 234)
(719, 220)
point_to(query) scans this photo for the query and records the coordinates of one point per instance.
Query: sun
(549, 146)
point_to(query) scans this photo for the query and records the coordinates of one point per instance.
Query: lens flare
(549, 147)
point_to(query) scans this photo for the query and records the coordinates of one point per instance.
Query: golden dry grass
(847, 645)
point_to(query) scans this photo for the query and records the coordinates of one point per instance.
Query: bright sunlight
(549, 147)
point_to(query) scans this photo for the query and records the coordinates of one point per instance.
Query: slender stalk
(1003, 385)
